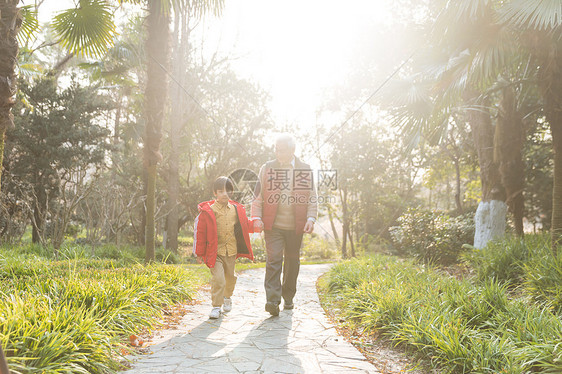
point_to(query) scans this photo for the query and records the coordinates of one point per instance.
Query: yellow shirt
(226, 219)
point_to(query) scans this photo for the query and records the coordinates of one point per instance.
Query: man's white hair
(287, 139)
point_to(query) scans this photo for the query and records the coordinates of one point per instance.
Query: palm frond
(29, 26)
(31, 70)
(412, 110)
(492, 54)
(203, 7)
(88, 29)
(457, 13)
(536, 14)
(463, 9)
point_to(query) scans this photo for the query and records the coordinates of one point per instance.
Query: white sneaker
(227, 306)
(215, 312)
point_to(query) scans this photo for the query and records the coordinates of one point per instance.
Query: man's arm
(312, 210)
(257, 204)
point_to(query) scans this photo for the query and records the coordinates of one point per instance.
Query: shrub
(316, 248)
(432, 236)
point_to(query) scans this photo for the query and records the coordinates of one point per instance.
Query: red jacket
(301, 196)
(205, 238)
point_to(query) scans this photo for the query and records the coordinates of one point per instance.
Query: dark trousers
(283, 249)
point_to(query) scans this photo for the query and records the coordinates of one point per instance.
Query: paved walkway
(249, 340)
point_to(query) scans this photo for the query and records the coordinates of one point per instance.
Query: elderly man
(285, 207)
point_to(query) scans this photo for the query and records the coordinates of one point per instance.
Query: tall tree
(56, 132)
(157, 49)
(86, 29)
(10, 22)
(508, 31)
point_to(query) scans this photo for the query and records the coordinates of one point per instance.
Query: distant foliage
(432, 236)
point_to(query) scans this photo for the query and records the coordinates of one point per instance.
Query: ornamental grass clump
(460, 326)
(75, 316)
(528, 265)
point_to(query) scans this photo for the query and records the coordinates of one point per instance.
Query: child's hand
(199, 259)
(258, 225)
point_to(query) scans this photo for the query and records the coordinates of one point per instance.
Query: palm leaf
(535, 14)
(202, 7)
(30, 70)
(198, 8)
(87, 29)
(462, 9)
(492, 54)
(29, 26)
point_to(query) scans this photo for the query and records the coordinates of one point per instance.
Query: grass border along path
(75, 316)
(460, 326)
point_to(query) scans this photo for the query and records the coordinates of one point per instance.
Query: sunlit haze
(294, 49)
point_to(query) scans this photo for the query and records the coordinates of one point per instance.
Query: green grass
(75, 315)
(528, 265)
(459, 326)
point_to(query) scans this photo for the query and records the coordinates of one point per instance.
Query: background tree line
(463, 124)
(72, 162)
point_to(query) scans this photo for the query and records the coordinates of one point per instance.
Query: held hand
(309, 227)
(258, 225)
(199, 259)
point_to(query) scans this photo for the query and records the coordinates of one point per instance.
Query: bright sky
(294, 49)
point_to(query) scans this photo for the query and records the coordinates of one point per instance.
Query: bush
(432, 236)
(316, 248)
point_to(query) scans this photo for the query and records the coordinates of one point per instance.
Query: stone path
(249, 340)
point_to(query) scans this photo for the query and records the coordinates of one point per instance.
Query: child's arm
(249, 222)
(199, 237)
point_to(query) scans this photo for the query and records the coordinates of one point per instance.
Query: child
(221, 235)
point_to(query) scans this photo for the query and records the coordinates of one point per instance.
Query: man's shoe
(215, 312)
(272, 309)
(288, 305)
(227, 306)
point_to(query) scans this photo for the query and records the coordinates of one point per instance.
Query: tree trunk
(352, 245)
(10, 22)
(175, 128)
(333, 225)
(491, 210)
(508, 150)
(3, 364)
(550, 85)
(157, 49)
(458, 201)
(149, 235)
(2, 142)
(556, 228)
(345, 223)
(39, 213)
(489, 222)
